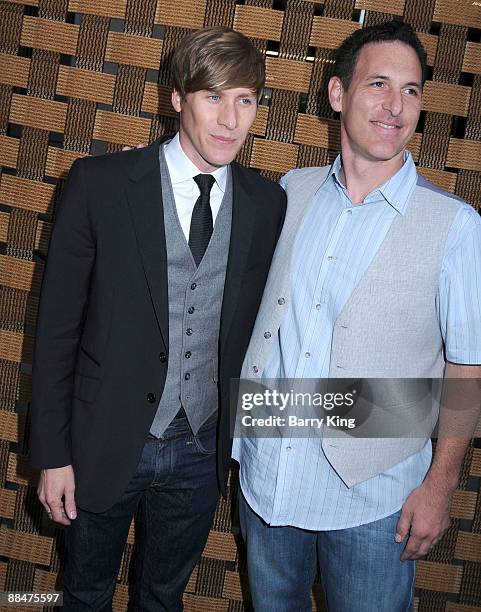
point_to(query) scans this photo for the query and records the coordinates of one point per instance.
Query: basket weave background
(81, 77)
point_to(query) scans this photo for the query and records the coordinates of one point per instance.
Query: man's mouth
(387, 126)
(224, 139)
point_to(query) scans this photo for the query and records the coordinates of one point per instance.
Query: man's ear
(335, 91)
(176, 101)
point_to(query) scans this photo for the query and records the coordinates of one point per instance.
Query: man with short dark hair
(155, 272)
(377, 275)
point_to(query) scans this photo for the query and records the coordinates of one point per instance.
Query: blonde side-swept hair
(217, 59)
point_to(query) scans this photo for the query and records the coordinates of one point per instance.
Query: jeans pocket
(205, 440)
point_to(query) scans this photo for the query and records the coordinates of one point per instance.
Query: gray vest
(387, 329)
(195, 301)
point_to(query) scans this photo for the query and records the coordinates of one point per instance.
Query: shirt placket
(293, 450)
(308, 365)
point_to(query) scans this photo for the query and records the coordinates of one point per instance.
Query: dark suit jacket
(102, 333)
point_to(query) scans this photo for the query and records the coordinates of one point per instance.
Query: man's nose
(227, 116)
(393, 102)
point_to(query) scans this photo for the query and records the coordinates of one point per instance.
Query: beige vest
(387, 329)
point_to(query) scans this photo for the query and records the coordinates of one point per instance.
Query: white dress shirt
(186, 191)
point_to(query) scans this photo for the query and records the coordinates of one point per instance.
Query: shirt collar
(396, 190)
(182, 169)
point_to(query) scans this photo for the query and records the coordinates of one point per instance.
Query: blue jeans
(175, 484)
(360, 567)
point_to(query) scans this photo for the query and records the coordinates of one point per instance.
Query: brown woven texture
(80, 77)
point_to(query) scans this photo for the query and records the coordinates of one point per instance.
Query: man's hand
(425, 514)
(424, 519)
(56, 493)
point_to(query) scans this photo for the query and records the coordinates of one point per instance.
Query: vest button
(188, 355)
(188, 331)
(151, 398)
(191, 310)
(162, 357)
(193, 286)
(267, 335)
(281, 301)
(187, 376)
(255, 369)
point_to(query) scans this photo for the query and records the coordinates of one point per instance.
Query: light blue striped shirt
(290, 481)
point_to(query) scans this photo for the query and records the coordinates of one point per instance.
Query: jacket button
(187, 376)
(188, 331)
(188, 355)
(191, 310)
(162, 357)
(193, 286)
(151, 398)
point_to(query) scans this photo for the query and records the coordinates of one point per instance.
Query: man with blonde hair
(155, 272)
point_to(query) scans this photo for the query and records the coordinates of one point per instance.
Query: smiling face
(214, 124)
(380, 109)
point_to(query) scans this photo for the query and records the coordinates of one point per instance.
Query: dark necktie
(201, 223)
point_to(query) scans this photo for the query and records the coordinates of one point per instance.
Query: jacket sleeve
(62, 309)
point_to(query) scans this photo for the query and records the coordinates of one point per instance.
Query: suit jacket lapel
(144, 193)
(243, 222)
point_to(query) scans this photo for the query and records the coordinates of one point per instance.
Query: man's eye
(246, 101)
(412, 92)
(214, 98)
(378, 84)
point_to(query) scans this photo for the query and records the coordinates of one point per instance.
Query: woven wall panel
(133, 50)
(329, 33)
(446, 98)
(430, 44)
(472, 58)
(258, 22)
(291, 75)
(78, 77)
(25, 546)
(9, 151)
(446, 180)
(59, 161)
(7, 503)
(460, 13)
(191, 16)
(24, 193)
(47, 115)
(272, 155)
(464, 154)
(439, 577)
(475, 469)
(104, 8)
(85, 84)
(391, 7)
(49, 35)
(452, 607)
